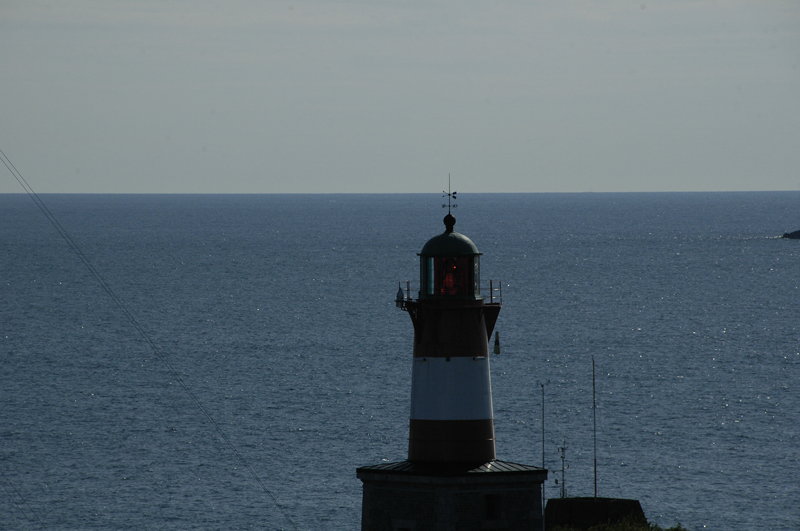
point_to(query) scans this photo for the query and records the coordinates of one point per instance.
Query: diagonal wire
(77, 250)
(25, 503)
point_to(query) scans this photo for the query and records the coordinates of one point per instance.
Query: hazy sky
(368, 96)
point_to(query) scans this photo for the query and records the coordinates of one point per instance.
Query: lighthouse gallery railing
(490, 290)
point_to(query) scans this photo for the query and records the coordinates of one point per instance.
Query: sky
(237, 96)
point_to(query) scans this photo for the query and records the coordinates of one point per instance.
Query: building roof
(452, 469)
(449, 243)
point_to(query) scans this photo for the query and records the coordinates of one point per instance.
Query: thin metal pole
(563, 450)
(542, 425)
(594, 421)
(544, 494)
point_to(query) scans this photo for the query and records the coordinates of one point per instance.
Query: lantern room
(449, 266)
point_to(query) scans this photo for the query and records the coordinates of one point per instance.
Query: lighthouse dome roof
(449, 243)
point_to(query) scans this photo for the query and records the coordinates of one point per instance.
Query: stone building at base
(408, 496)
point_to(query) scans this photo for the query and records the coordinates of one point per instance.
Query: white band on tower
(454, 388)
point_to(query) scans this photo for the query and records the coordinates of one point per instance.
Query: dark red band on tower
(455, 328)
(451, 441)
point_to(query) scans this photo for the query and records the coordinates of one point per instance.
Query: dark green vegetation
(628, 524)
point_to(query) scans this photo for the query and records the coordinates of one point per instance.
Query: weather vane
(450, 195)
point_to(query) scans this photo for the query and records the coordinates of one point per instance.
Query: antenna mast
(594, 422)
(544, 494)
(543, 384)
(563, 450)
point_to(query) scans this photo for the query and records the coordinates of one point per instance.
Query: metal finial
(449, 222)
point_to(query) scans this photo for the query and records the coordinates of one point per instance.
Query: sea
(233, 359)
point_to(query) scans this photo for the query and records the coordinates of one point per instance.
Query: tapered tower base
(410, 496)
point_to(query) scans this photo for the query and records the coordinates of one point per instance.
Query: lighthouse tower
(451, 391)
(451, 480)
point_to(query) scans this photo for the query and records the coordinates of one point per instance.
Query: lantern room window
(427, 275)
(476, 276)
(450, 276)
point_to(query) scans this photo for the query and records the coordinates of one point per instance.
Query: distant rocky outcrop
(792, 235)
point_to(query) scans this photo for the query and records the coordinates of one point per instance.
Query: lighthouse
(452, 479)
(451, 392)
